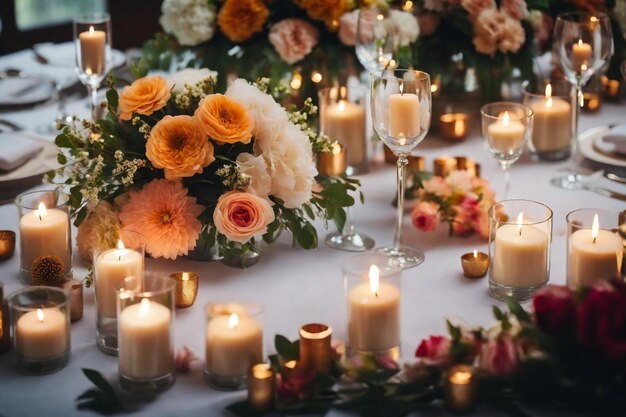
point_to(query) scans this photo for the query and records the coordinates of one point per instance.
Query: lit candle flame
(185, 276)
(233, 321)
(520, 222)
(401, 87)
(41, 211)
(121, 249)
(40, 315)
(91, 29)
(407, 6)
(475, 254)
(336, 148)
(380, 16)
(549, 95)
(144, 308)
(374, 279)
(593, 19)
(342, 105)
(461, 378)
(595, 228)
(505, 118)
(580, 42)
(296, 81)
(120, 244)
(458, 127)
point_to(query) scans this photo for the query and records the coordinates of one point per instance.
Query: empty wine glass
(61, 82)
(92, 40)
(507, 128)
(401, 111)
(375, 43)
(583, 45)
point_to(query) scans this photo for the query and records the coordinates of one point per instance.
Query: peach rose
(240, 216)
(178, 146)
(144, 96)
(487, 28)
(512, 36)
(293, 39)
(224, 120)
(476, 7)
(517, 9)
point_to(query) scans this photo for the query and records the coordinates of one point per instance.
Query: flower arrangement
(178, 163)
(460, 199)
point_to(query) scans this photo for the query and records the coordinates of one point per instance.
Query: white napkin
(613, 142)
(24, 90)
(16, 149)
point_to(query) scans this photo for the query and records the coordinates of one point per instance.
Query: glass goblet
(401, 110)
(507, 128)
(92, 41)
(375, 44)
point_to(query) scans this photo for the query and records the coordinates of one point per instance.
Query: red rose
(435, 350)
(555, 311)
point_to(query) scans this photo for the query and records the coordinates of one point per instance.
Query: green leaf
(64, 141)
(339, 217)
(286, 349)
(98, 380)
(307, 236)
(497, 313)
(61, 159)
(455, 331)
(112, 99)
(517, 310)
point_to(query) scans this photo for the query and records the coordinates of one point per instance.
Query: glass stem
(61, 114)
(92, 92)
(507, 178)
(348, 227)
(575, 148)
(402, 162)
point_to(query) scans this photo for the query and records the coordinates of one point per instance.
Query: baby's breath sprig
(233, 178)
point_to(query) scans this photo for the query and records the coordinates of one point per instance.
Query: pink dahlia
(168, 218)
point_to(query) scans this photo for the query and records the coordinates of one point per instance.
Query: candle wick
(594, 239)
(520, 231)
(119, 258)
(40, 219)
(376, 294)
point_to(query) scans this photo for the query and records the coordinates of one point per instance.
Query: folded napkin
(16, 149)
(24, 90)
(614, 142)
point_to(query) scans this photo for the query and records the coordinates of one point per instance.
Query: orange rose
(178, 145)
(240, 19)
(145, 96)
(224, 120)
(328, 11)
(240, 216)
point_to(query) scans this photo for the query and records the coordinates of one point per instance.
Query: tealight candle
(581, 53)
(332, 163)
(454, 126)
(315, 349)
(461, 389)
(261, 388)
(186, 288)
(475, 264)
(506, 133)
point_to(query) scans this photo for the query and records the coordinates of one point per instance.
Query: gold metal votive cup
(454, 126)
(416, 163)
(333, 163)
(315, 349)
(475, 264)
(442, 167)
(461, 389)
(7, 244)
(591, 102)
(261, 388)
(610, 88)
(186, 288)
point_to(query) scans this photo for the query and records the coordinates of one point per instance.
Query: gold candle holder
(416, 163)
(454, 126)
(261, 388)
(315, 350)
(475, 264)
(610, 88)
(5, 333)
(461, 389)
(186, 288)
(442, 167)
(7, 244)
(591, 102)
(332, 163)
(464, 163)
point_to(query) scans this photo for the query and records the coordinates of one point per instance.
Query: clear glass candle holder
(343, 120)
(45, 235)
(554, 109)
(594, 247)
(520, 233)
(40, 326)
(372, 287)
(146, 336)
(233, 341)
(116, 268)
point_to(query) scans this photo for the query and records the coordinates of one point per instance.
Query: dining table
(297, 286)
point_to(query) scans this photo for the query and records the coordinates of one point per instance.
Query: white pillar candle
(45, 232)
(42, 334)
(233, 344)
(581, 53)
(594, 255)
(404, 116)
(92, 51)
(145, 348)
(116, 269)
(344, 122)
(374, 315)
(520, 255)
(552, 123)
(506, 135)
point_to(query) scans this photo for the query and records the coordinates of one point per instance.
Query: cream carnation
(293, 39)
(404, 26)
(189, 76)
(97, 231)
(512, 35)
(256, 168)
(191, 21)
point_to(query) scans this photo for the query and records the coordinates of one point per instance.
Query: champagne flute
(583, 45)
(375, 44)
(92, 40)
(507, 128)
(401, 111)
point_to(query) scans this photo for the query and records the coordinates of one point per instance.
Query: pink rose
(487, 28)
(425, 216)
(475, 7)
(512, 36)
(499, 357)
(293, 39)
(240, 216)
(517, 9)
(437, 186)
(348, 27)
(183, 359)
(428, 23)
(435, 350)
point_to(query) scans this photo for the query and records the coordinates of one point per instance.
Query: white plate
(586, 141)
(22, 91)
(32, 171)
(64, 54)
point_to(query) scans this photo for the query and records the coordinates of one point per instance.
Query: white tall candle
(41, 334)
(92, 51)
(145, 348)
(552, 123)
(233, 344)
(404, 116)
(506, 135)
(374, 315)
(344, 122)
(581, 54)
(45, 232)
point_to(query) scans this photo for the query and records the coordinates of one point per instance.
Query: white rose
(256, 168)
(404, 26)
(191, 21)
(191, 76)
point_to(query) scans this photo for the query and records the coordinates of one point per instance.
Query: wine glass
(375, 44)
(401, 111)
(61, 82)
(507, 128)
(583, 45)
(92, 40)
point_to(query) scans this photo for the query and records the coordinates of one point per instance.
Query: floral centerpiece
(177, 161)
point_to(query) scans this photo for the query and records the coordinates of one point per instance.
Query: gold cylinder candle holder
(315, 350)
(5, 332)
(7, 244)
(333, 163)
(416, 163)
(186, 288)
(461, 389)
(454, 126)
(591, 102)
(467, 164)
(261, 388)
(475, 264)
(442, 167)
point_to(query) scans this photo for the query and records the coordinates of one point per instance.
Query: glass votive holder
(186, 288)
(333, 163)
(454, 127)
(343, 120)
(146, 336)
(121, 267)
(461, 389)
(7, 244)
(233, 341)
(372, 286)
(44, 230)
(315, 347)
(554, 109)
(40, 325)
(594, 247)
(520, 233)
(261, 388)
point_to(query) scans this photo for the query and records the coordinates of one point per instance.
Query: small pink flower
(293, 39)
(240, 216)
(437, 186)
(183, 359)
(475, 7)
(499, 357)
(435, 350)
(425, 216)
(517, 9)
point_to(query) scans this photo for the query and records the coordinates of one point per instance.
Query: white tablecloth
(298, 286)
